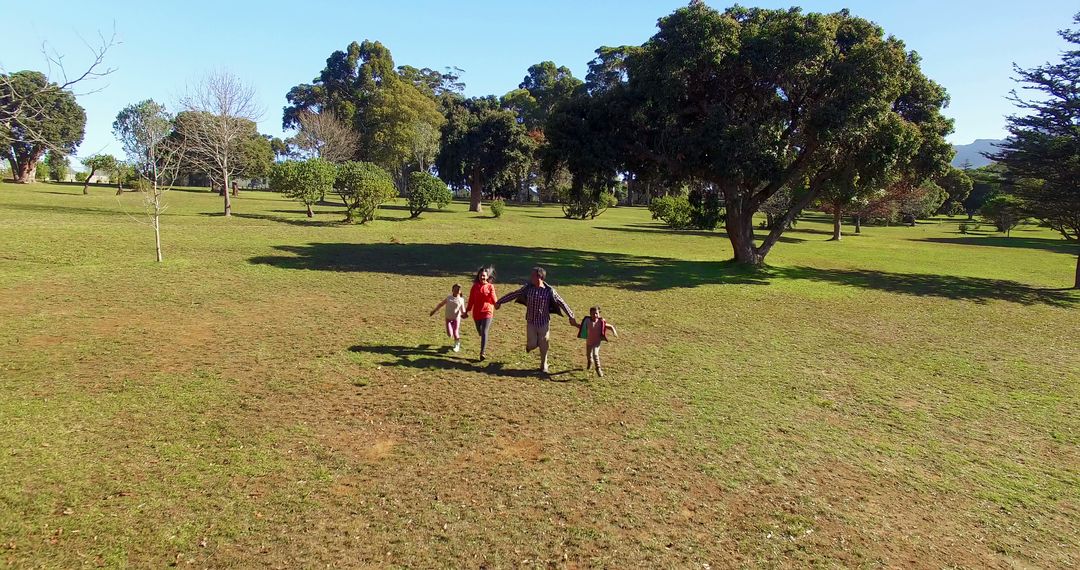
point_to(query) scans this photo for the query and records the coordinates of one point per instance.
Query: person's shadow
(428, 357)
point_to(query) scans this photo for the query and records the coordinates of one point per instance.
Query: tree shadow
(432, 209)
(1045, 244)
(660, 229)
(565, 266)
(975, 289)
(636, 273)
(303, 222)
(428, 357)
(64, 209)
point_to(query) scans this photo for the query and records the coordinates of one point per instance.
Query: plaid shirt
(538, 302)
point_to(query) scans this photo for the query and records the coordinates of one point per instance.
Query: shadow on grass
(638, 273)
(661, 229)
(975, 289)
(565, 266)
(65, 209)
(1045, 244)
(303, 222)
(428, 357)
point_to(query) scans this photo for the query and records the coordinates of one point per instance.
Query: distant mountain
(972, 153)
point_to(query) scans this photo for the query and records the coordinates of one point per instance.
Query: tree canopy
(1042, 154)
(305, 181)
(393, 110)
(56, 121)
(482, 146)
(751, 101)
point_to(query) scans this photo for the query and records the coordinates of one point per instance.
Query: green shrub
(80, 177)
(426, 189)
(363, 186)
(705, 209)
(672, 209)
(304, 181)
(1004, 211)
(582, 203)
(497, 206)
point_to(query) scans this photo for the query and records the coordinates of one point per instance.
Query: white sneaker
(457, 347)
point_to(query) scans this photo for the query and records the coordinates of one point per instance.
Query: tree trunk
(310, 214)
(86, 185)
(740, 230)
(858, 223)
(837, 224)
(23, 171)
(476, 189)
(225, 192)
(1076, 281)
(157, 235)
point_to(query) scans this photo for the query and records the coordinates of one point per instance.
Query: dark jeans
(482, 328)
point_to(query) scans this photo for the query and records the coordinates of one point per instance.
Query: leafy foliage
(986, 182)
(482, 145)
(1043, 152)
(957, 186)
(672, 209)
(363, 186)
(58, 122)
(305, 181)
(697, 208)
(426, 189)
(753, 100)
(543, 88)
(1005, 211)
(498, 206)
(58, 165)
(142, 129)
(580, 202)
(393, 112)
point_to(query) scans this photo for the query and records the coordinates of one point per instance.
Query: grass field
(275, 394)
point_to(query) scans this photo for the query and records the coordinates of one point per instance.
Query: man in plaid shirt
(540, 301)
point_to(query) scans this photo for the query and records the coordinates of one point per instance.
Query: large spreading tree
(1042, 155)
(39, 116)
(483, 146)
(750, 101)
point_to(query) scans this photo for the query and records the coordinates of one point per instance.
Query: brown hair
(490, 271)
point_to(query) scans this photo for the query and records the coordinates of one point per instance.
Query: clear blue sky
(968, 46)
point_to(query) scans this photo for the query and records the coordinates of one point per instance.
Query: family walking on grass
(540, 300)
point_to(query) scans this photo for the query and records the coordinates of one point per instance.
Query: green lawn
(275, 394)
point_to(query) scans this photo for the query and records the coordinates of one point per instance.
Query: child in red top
(594, 330)
(482, 304)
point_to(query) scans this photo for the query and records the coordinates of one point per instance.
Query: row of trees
(362, 186)
(214, 135)
(362, 107)
(754, 110)
(741, 104)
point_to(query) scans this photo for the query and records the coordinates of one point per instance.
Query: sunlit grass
(275, 394)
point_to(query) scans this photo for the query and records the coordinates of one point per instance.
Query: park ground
(275, 394)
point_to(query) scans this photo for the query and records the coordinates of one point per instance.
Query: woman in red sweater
(482, 304)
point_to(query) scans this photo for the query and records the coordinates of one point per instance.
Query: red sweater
(481, 301)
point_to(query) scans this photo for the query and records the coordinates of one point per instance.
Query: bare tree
(25, 107)
(222, 108)
(323, 135)
(145, 128)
